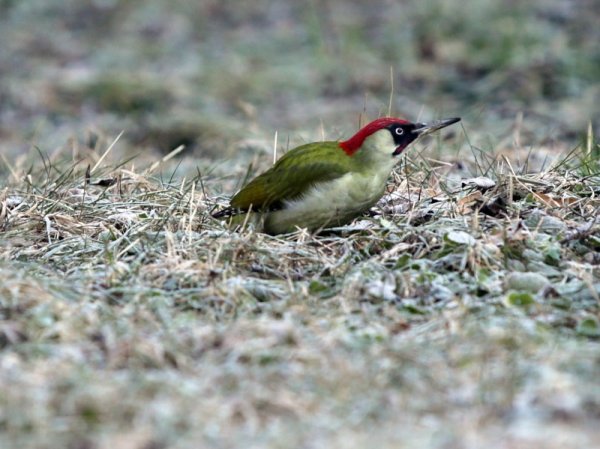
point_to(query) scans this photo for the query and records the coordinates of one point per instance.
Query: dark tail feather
(225, 213)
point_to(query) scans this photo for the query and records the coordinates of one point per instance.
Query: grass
(462, 311)
(131, 318)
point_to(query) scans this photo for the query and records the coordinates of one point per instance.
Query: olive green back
(293, 174)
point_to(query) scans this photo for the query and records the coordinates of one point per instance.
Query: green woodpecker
(324, 184)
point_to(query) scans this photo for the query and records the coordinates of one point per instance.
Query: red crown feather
(352, 145)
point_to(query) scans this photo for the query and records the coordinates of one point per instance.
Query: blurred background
(222, 76)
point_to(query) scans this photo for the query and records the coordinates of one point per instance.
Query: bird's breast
(331, 203)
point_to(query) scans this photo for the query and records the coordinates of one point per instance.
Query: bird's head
(387, 137)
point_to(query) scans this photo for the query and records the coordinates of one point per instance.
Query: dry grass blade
(108, 150)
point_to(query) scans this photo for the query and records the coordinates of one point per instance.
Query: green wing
(292, 175)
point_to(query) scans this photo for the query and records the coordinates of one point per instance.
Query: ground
(463, 311)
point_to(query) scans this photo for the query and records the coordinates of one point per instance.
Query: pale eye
(399, 131)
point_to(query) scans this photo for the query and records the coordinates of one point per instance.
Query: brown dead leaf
(551, 201)
(468, 203)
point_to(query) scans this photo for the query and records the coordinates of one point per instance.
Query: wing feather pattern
(287, 180)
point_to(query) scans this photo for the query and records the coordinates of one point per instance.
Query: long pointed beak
(427, 128)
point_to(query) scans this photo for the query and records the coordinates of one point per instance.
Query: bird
(326, 184)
